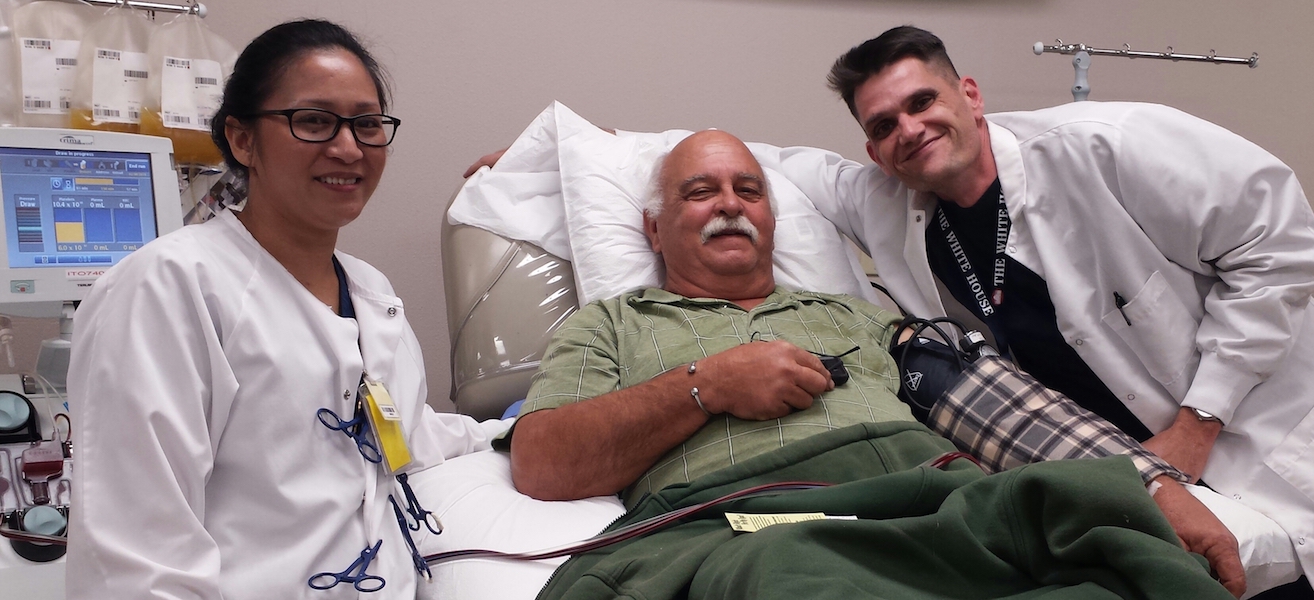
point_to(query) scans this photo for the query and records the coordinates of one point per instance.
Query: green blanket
(1064, 529)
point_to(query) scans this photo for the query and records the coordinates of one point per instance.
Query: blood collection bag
(42, 463)
(10, 87)
(110, 85)
(47, 35)
(188, 67)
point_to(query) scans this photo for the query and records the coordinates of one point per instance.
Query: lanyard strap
(347, 310)
(974, 284)
(986, 306)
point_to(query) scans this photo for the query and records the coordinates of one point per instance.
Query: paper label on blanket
(749, 523)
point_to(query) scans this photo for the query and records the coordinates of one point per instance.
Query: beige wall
(470, 75)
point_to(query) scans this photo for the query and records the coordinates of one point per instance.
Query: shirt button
(1236, 496)
(392, 311)
(1012, 249)
(1301, 541)
(346, 394)
(1080, 342)
(1131, 397)
(917, 218)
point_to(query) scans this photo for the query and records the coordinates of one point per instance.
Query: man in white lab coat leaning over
(1153, 266)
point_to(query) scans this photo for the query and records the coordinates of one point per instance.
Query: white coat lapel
(382, 323)
(1013, 181)
(921, 209)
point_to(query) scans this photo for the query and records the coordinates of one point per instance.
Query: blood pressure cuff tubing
(1005, 418)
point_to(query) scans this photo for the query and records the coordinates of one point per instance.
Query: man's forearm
(1186, 443)
(1008, 421)
(600, 446)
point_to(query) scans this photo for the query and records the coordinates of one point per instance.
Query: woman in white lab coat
(205, 465)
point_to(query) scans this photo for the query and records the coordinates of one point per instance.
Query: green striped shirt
(619, 342)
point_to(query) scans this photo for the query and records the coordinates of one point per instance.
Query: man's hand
(603, 444)
(1186, 444)
(487, 160)
(758, 381)
(1201, 532)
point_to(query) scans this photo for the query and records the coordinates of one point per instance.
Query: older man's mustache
(723, 226)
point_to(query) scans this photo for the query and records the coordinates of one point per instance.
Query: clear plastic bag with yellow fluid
(10, 78)
(188, 67)
(47, 37)
(110, 86)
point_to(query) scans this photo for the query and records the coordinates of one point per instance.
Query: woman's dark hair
(866, 60)
(263, 63)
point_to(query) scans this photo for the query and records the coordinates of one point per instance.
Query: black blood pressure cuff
(927, 369)
(1002, 416)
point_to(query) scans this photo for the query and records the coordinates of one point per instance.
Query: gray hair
(654, 194)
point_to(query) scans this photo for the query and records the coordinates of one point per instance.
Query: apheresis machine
(74, 203)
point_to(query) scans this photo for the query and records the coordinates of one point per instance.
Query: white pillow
(520, 197)
(574, 190)
(603, 181)
(480, 508)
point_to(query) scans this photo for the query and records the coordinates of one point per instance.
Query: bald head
(663, 181)
(711, 219)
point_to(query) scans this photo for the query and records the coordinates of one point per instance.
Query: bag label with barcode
(48, 67)
(118, 86)
(190, 92)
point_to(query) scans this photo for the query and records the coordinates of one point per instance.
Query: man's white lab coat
(1209, 238)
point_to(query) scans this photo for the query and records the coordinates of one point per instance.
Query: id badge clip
(385, 424)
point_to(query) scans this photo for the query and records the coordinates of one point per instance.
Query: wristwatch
(1205, 416)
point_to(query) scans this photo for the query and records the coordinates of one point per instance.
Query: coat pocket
(1160, 331)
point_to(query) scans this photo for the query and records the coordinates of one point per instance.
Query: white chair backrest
(505, 299)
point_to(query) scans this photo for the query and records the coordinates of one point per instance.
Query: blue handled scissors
(352, 430)
(362, 581)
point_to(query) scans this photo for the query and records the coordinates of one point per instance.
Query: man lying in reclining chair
(715, 383)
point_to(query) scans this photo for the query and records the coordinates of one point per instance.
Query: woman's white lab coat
(198, 366)
(1208, 236)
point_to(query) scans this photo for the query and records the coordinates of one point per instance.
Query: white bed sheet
(1266, 550)
(480, 508)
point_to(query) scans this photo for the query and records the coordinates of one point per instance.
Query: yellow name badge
(748, 523)
(385, 424)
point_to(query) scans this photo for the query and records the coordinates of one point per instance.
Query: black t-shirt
(1026, 318)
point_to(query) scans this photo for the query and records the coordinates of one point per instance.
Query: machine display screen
(75, 208)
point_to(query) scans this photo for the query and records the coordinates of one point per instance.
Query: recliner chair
(505, 299)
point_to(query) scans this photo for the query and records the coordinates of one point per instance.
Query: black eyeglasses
(317, 125)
